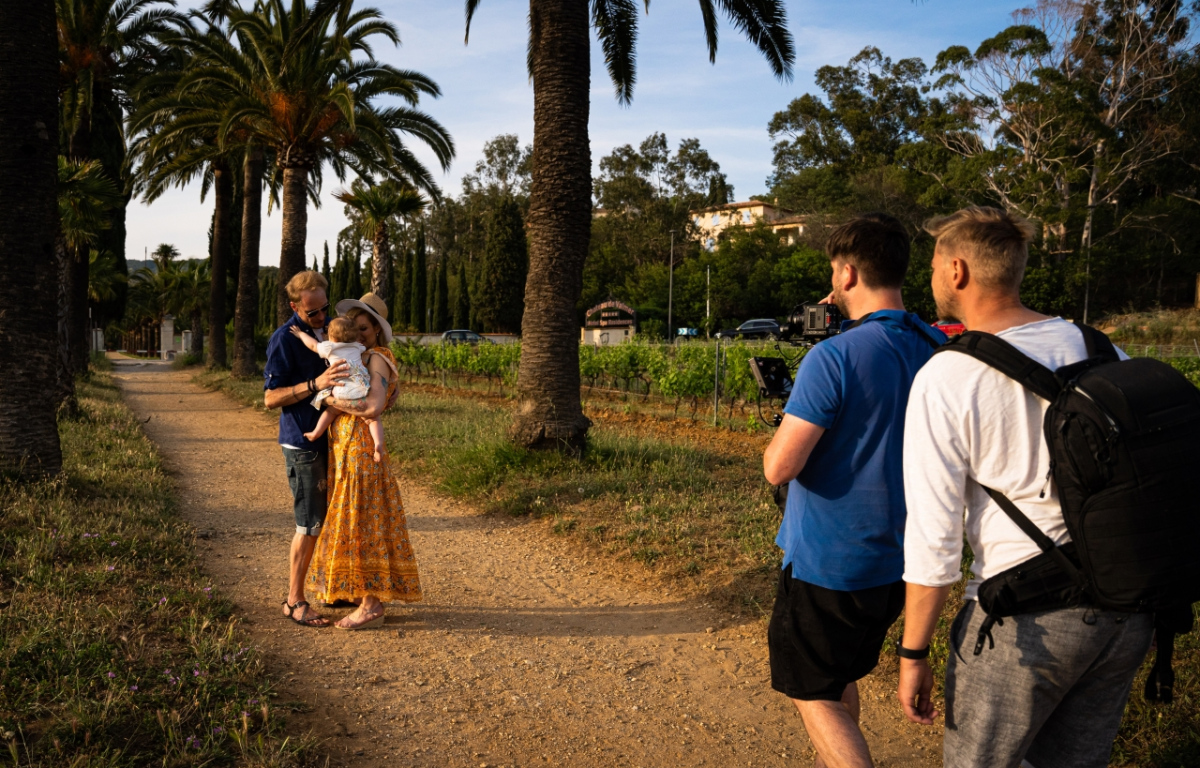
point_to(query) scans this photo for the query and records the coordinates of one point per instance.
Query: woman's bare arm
(371, 406)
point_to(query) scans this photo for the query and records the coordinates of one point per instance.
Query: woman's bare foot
(369, 614)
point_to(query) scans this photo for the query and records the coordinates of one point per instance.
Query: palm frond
(616, 26)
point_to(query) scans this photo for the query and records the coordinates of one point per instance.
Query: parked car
(948, 327)
(462, 336)
(752, 329)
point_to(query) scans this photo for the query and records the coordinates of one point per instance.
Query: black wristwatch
(908, 653)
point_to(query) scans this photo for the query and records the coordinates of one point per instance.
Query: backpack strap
(1004, 357)
(1097, 343)
(1044, 542)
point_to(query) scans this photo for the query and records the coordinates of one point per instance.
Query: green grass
(114, 648)
(691, 513)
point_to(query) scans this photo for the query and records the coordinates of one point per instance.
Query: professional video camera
(810, 323)
(805, 326)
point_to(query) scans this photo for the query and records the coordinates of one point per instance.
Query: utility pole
(671, 292)
(708, 302)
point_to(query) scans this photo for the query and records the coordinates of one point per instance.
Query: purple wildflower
(133, 687)
(111, 568)
(111, 675)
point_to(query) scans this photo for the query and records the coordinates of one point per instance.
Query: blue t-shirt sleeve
(278, 370)
(817, 394)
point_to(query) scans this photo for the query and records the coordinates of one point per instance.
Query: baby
(343, 346)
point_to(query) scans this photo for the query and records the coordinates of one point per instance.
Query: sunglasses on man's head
(314, 312)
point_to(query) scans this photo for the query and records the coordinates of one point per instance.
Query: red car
(949, 328)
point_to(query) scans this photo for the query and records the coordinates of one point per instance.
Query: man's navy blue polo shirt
(289, 363)
(843, 528)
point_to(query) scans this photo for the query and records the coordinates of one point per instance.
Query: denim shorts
(306, 472)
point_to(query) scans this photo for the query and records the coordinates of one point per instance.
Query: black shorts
(821, 640)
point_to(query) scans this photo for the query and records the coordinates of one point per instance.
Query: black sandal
(315, 621)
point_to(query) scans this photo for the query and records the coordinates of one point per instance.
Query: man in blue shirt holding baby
(839, 449)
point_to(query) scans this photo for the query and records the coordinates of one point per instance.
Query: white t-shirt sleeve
(325, 349)
(936, 463)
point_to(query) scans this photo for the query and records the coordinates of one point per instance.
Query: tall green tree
(420, 286)
(441, 299)
(462, 299)
(549, 412)
(500, 300)
(304, 89)
(401, 306)
(29, 433)
(105, 48)
(86, 196)
(248, 300)
(376, 207)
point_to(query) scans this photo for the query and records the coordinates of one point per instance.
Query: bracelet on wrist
(908, 653)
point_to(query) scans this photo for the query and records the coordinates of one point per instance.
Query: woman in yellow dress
(363, 554)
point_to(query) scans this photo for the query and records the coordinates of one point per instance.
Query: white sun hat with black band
(371, 303)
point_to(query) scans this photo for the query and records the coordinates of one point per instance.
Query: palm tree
(301, 93)
(28, 159)
(164, 256)
(86, 195)
(559, 219)
(180, 139)
(105, 48)
(188, 292)
(376, 207)
(104, 276)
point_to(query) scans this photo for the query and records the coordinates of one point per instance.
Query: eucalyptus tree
(376, 208)
(305, 85)
(549, 412)
(29, 444)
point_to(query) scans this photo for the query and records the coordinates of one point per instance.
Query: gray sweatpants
(1052, 691)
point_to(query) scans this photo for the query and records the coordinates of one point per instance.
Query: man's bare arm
(789, 449)
(922, 607)
(277, 398)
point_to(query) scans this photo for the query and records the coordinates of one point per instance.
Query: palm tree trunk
(77, 298)
(295, 233)
(197, 349)
(549, 412)
(246, 312)
(64, 379)
(381, 265)
(222, 197)
(28, 279)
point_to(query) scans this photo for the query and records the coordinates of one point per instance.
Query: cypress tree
(500, 300)
(354, 288)
(325, 266)
(420, 285)
(441, 299)
(402, 278)
(462, 302)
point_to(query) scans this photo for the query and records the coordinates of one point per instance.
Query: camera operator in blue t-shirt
(839, 447)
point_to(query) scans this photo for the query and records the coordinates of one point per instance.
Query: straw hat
(375, 305)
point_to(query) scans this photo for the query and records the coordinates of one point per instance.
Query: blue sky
(485, 90)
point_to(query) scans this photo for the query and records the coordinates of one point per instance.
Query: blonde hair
(308, 280)
(994, 243)
(354, 313)
(342, 329)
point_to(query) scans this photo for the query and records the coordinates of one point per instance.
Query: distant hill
(133, 265)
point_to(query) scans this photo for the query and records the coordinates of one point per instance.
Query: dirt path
(524, 652)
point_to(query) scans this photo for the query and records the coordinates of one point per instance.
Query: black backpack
(1124, 442)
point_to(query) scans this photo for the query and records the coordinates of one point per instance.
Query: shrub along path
(525, 652)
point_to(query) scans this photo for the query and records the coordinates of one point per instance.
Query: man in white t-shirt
(1053, 688)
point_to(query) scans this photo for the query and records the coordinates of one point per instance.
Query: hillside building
(711, 222)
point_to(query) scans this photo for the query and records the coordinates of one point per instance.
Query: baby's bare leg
(327, 416)
(375, 427)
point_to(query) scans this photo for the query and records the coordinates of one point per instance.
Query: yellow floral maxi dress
(364, 547)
